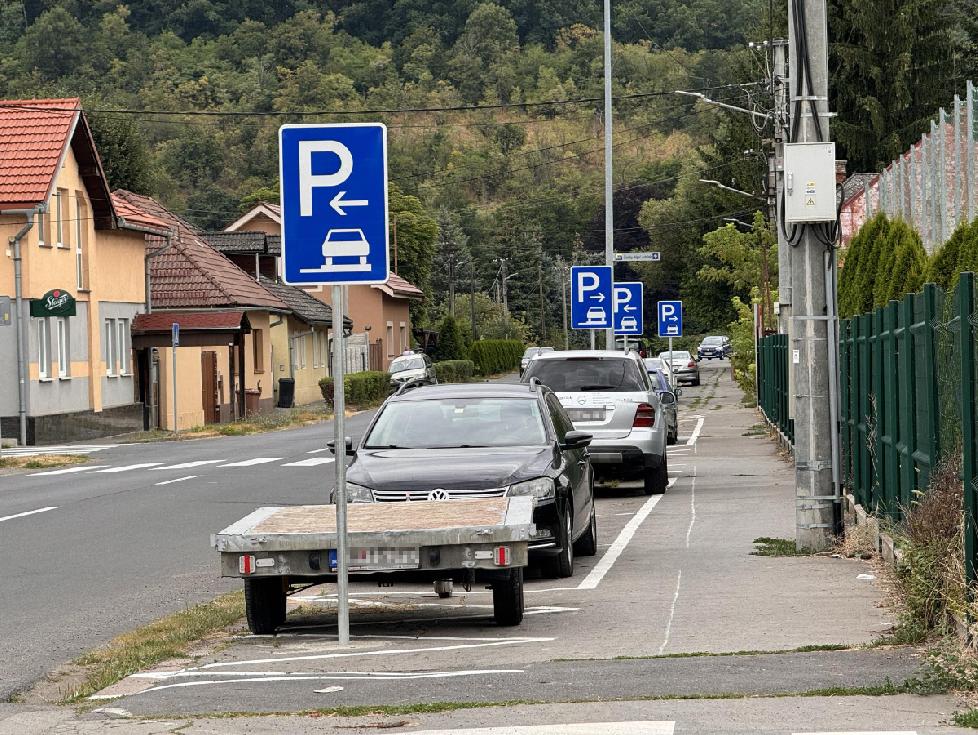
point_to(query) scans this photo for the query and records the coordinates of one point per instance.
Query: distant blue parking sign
(670, 318)
(334, 203)
(627, 301)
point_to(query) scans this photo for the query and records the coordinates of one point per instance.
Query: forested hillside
(494, 111)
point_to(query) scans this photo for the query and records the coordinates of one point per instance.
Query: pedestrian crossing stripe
(637, 727)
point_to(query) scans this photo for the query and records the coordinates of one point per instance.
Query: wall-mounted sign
(56, 302)
(4, 311)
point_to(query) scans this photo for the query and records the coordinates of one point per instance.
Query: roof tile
(33, 135)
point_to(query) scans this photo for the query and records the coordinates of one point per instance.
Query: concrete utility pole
(780, 72)
(812, 270)
(609, 194)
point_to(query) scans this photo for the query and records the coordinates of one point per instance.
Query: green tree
(942, 267)
(122, 148)
(905, 273)
(450, 341)
(55, 44)
(857, 279)
(416, 236)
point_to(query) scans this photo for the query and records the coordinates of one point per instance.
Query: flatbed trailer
(466, 541)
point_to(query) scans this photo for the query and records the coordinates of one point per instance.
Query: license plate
(583, 414)
(377, 559)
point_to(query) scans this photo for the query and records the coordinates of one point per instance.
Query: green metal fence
(908, 381)
(772, 382)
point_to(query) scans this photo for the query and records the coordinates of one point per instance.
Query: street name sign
(627, 300)
(591, 304)
(334, 204)
(638, 257)
(670, 315)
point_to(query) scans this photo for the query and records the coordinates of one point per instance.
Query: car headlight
(354, 494)
(540, 488)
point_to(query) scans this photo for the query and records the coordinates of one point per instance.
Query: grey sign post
(4, 322)
(175, 342)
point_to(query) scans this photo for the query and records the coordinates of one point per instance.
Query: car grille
(398, 496)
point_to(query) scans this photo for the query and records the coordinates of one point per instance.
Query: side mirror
(667, 398)
(349, 446)
(678, 392)
(576, 440)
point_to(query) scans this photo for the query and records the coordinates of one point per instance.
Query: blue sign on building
(627, 300)
(670, 318)
(591, 304)
(334, 203)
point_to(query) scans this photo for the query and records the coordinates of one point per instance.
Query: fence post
(928, 359)
(970, 147)
(908, 401)
(887, 400)
(844, 429)
(958, 178)
(966, 335)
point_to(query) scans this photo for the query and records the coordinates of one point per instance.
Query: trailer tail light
(501, 556)
(644, 416)
(246, 563)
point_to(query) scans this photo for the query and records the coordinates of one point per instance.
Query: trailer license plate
(378, 559)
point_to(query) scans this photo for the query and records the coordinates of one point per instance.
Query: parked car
(669, 398)
(412, 367)
(714, 347)
(684, 366)
(610, 396)
(530, 353)
(654, 363)
(484, 440)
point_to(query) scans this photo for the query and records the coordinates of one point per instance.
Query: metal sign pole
(174, 343)
(592, 339)
(339, 439)
(672, 368)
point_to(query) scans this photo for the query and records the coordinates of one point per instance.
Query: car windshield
(407, 363)
(531, 351)
(654, 363)
(458, 423)
(676, 355)
(713, 341)
(578, 374)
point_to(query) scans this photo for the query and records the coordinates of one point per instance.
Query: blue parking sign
(627, 301)
(334, 203)
(670, 318)
(591, 296)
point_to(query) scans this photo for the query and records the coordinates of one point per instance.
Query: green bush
(454, 371)
(362, 389)
(905, 272)
(450, 341)
(496, 355)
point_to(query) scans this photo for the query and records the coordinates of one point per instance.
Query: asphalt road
(126, 539)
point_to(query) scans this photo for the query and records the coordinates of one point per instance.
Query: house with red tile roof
(380, 313)
(74, 275)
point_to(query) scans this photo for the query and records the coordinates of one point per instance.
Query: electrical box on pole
(809, 182)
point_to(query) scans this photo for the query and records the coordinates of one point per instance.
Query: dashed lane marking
(187, 465)
(594, 577)
(317, 451)
(179, 479)
(252, 461)
(692, 507)
(849, 732)
(128, 467)
(68, 471)
(672, 613)
(28, 513)
(696, 432)
(312, 462)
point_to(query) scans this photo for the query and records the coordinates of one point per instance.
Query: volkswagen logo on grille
(439, 494)
(581, 401)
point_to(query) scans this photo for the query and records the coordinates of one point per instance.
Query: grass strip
(163, 639)
(43, 461)
(969, 718)
(767, 546)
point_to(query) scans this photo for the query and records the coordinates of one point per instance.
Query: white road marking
(179, 479)
(317, 451)
(126, 468)
(636, 727)
(328, 690)
(692, 508)
(68, 471)
(594, 577)
(28, 513)
(187, 465)
(61, 449)
(696, 432)
(631, 513)
(250, 462)
(849, 732)
(672, 613)
(312, 462)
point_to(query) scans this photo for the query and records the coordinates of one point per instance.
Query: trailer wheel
(264, 604)
(444, 588)
(507, 599)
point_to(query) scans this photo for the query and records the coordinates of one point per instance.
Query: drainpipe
(19, 313)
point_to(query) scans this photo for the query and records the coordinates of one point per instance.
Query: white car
(629, 324)
(342, 243)
(595, 314)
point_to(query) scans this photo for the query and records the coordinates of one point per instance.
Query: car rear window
(580, 374)
(713, 341)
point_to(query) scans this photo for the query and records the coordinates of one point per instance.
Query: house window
(403, 335)
(42, 229)
(315, 348)
(43, 349)
(122, 345)
(258, 350)
(109, 347)
(80, 230)
(390, 340)
(64, 344)
(302, 351)
(61, 217)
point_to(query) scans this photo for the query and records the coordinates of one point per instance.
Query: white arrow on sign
(599, 298)
(630, 308)
(338, 203)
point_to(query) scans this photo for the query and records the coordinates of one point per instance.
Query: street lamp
(717, 184)
(739, 222)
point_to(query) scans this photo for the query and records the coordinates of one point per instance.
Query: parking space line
(250, 462)
(594, 577)
(179, 479)
(636, 727)
(692, 507)
(311, 462)
(128, 467)
(696, 432)
(69, 471)
(672, 613)
(28, 513)
(187, 465)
